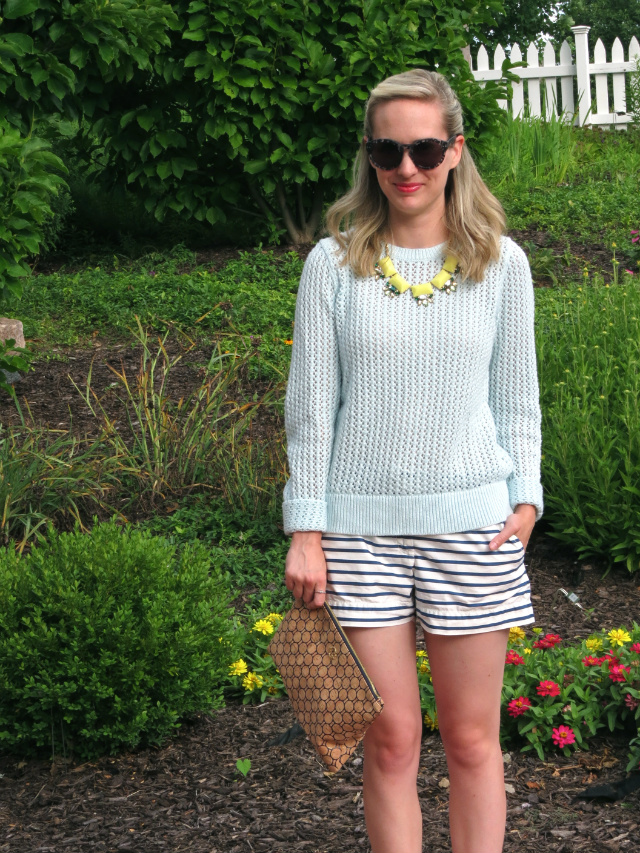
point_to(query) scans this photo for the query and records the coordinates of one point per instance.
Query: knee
(394, 745)
(470, 749)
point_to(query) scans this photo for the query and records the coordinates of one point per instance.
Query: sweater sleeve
(513, 382)
(313, 395)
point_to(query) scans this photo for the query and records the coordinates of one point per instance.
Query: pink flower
(514, 657)
(590, 660)
(563, 736)
(519, 706)
(630, 702)
(636, 238)
(547, 642)
(617, 671)
(548, 688)
(635, 648)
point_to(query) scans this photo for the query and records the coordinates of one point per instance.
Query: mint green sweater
(410, 420)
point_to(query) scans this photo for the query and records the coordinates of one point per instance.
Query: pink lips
(407, 188)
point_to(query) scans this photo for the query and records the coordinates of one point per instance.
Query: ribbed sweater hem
(418, 515)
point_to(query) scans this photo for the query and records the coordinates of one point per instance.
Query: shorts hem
(476, 629)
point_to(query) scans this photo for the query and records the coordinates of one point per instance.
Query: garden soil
(188, 794)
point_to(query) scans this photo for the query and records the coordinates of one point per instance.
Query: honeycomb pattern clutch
(332, 696)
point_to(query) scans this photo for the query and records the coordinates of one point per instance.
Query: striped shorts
(452, 581)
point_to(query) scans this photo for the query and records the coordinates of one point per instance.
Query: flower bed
(557, 694)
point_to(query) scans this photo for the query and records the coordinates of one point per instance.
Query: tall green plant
(588, 342)
(63, 58)
(256, 109)
(30, 176)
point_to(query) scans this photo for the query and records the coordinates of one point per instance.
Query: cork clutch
(329, 690)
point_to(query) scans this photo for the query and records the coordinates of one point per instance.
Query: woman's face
(414, 193)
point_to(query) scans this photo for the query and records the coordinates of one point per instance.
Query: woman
(414, 445)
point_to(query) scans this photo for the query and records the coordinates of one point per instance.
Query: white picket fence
(567, 84)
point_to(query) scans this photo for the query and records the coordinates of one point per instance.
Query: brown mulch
(188, 795)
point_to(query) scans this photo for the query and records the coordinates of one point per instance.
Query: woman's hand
(306, 568)
(519, 523)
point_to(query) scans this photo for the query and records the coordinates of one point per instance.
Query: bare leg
(467, 679)
(392, 743)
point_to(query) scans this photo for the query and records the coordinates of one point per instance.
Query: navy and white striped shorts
(452, 581)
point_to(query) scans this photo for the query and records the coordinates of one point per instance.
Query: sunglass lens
(427, 154)
(386, 154)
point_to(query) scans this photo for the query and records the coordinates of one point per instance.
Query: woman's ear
(456, 148)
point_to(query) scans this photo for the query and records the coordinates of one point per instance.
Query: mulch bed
(188, 795)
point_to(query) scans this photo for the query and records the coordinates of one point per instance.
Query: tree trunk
(305, 229)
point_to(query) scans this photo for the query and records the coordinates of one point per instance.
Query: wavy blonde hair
(473, 216)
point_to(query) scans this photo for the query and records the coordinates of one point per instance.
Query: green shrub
(588, 340)
(107, 641)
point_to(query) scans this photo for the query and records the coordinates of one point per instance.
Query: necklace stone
(394, 284)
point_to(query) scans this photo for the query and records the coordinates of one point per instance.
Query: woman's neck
(418, 233)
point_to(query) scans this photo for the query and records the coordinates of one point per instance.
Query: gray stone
(11, 330)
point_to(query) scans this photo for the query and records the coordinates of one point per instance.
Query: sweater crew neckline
(399, 253)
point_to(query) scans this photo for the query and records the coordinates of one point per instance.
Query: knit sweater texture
(408, 420)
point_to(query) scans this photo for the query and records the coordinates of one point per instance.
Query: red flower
(519, 706)
(514, 657)
(590, 660)
(617, 671)
(635, 648)
(630, 702)
(563, 736)
(611, 657)
(547, 642)
(548, 688)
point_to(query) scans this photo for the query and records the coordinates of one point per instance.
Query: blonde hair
(473, 216)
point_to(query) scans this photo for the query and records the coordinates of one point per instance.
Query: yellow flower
(274, 618)
(594, 644)
(526, 651)
(421, 653)
(264, 626)
(424, 667)
(516, 635)
(238, 668)
(430, 721)
(251, 681)
(618, 637)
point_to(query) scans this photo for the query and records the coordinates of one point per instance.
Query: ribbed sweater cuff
(418, 515)
(304, 515)
(526, 490)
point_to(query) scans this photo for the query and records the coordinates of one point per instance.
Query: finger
(501, 538)
(308, 593)
(318, 600)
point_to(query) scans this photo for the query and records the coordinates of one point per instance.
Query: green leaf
(145, 120)
(57, 29)
(21, 43)
(78, 56)
(164, 169)
(19, 8)
(255, 166)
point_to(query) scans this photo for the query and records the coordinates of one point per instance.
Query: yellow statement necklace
(395, 284)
